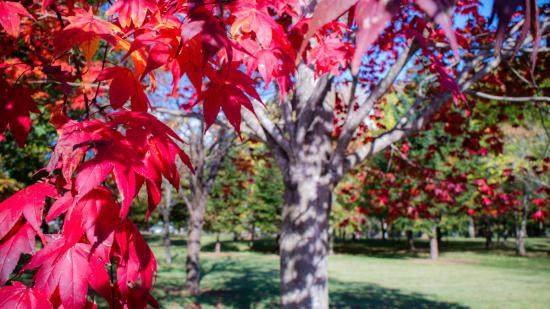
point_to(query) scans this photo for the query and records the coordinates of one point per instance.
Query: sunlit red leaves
(372, 17)
(504, 11)
(210, 32)
(85, 30)
(137, 265)
(124, 86)
(10, 19)
(250, 18)
(16, 105)
(68, 269)
(189, 61)
(28, 204)
(96, 215)
(19, 296)
(228, 91)
(161, 46)
(145, 151)
(330, 55)
(21, 239)
(132, 11)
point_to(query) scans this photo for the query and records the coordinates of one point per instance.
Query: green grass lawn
(369, 274)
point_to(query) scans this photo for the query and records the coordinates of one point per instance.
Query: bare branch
(217, 160)
(509, 99)
(268, 126)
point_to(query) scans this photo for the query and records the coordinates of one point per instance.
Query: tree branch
(509, 99)
(406, 127)
(268, 126)
(355, 119)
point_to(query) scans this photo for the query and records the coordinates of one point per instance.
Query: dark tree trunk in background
(192, 266)
(369, 230)
(166, 219)
(252, 234)
(488, 234)
(521, 231)
(439, 236)
(206, 156)
(434, 246)
(218, 245)
(383, 229)
(471, 228)
(331, 236)
(410, 240)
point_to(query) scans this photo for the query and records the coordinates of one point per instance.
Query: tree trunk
(521, 232)
(434, 248)
(383, 229)
(488, 234)
(369, 230)
(410, 240)
(331, 236)
(304, 244)
(166, 219)
(218, 245)
(194, 244)
(471, 228)
(252, 234)
(439, 237)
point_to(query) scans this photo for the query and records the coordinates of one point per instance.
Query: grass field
(369, 274)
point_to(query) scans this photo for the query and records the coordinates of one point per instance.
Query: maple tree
(329, 64)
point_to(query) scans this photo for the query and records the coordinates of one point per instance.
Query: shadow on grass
(253, 286)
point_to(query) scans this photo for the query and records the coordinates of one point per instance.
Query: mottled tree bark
(304, 245)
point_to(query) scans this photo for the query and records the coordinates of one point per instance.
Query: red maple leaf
(372, 16)
(157, 143)
(85, 30)
(21, 239)
(210, 32)
(73, 136)
(20, 296)
(16, 104)
(124, 86)
(132, 11)
(9, 16)
(69, 269)
(137, 265)
(228, 91)
(96, 215)
(249, 17)
(27, 203)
